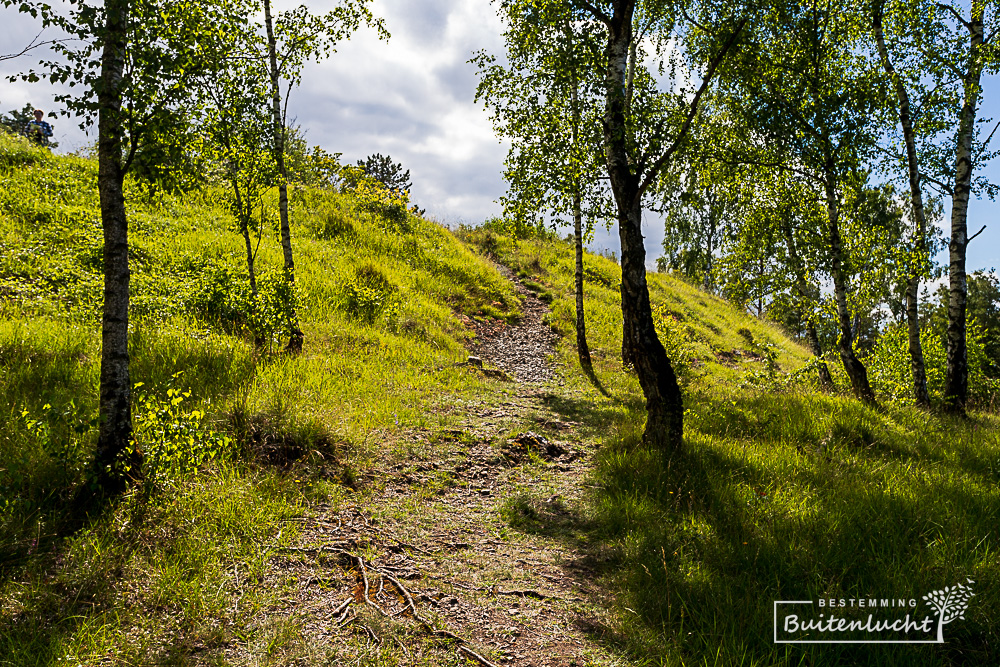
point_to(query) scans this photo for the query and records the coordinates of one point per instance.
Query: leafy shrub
(890, 373)
(224, 296)
(66, 442)
(391, 206)
(676, 338)
(172, 439)
(19, 152)
(370, 295)
(518, 227)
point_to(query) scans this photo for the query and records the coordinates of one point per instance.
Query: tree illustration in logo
(950, 603)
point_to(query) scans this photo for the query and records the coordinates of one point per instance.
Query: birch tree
(133, 63)
(935, 55)
(545, 100)
(813, 109)
(293, 38)
(639, 142)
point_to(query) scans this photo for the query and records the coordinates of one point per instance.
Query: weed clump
(370, 295)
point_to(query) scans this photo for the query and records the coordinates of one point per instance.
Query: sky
(413, 98)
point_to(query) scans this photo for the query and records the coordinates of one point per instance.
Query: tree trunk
(856, 371)
(627, 361)
(583, 350)
(630, 78)
(244, 220)
(801, 289)
(917, 262)
(956, 383)
(664, 405)
(296, 338)
(116, 388)
(243, 216)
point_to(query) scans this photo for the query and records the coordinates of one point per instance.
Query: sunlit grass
(172, 573)
(780, 492)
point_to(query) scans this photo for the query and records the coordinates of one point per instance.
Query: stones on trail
(519, 350)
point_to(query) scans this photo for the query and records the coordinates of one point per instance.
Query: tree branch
(692, 109)
(687, 16)
(947, 189)
(969, 240)
(33, 44)
(594, 11)
(958, 17)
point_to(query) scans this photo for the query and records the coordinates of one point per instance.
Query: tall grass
(780, 492)
(172, 572)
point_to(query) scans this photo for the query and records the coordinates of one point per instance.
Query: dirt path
(477, 526)
(522, 349)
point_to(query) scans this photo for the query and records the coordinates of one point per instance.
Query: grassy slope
(173, 571)
(782, 493)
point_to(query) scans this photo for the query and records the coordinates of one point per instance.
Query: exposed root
(364, 576)
(465, 650)
(371, 634)
(342, 611)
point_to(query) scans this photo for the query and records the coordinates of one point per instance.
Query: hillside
(377, 500)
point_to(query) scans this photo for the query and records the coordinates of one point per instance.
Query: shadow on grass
(54, 594)
(588, 370)
(698, 545)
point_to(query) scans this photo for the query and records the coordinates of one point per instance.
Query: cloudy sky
(413, 99)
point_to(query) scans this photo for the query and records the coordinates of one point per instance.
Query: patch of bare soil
(520, 349)
(465, 551)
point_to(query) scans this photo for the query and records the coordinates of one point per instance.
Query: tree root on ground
(343, 615)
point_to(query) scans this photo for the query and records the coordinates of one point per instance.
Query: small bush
(391, 206)
(370, 295)
(224, 296)
(173, 439)
(676, 338)
(19, 152)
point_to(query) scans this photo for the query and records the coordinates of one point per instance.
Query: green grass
(780, 493)
(171, 573)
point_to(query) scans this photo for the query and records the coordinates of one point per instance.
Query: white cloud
(413, 99)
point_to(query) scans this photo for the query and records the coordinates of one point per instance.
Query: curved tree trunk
(296, 338)
(664, 405)
(917, 263)
(956, 383)
(116, 387)
(856, 370)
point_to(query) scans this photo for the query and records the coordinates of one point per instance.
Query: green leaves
(547, 99)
